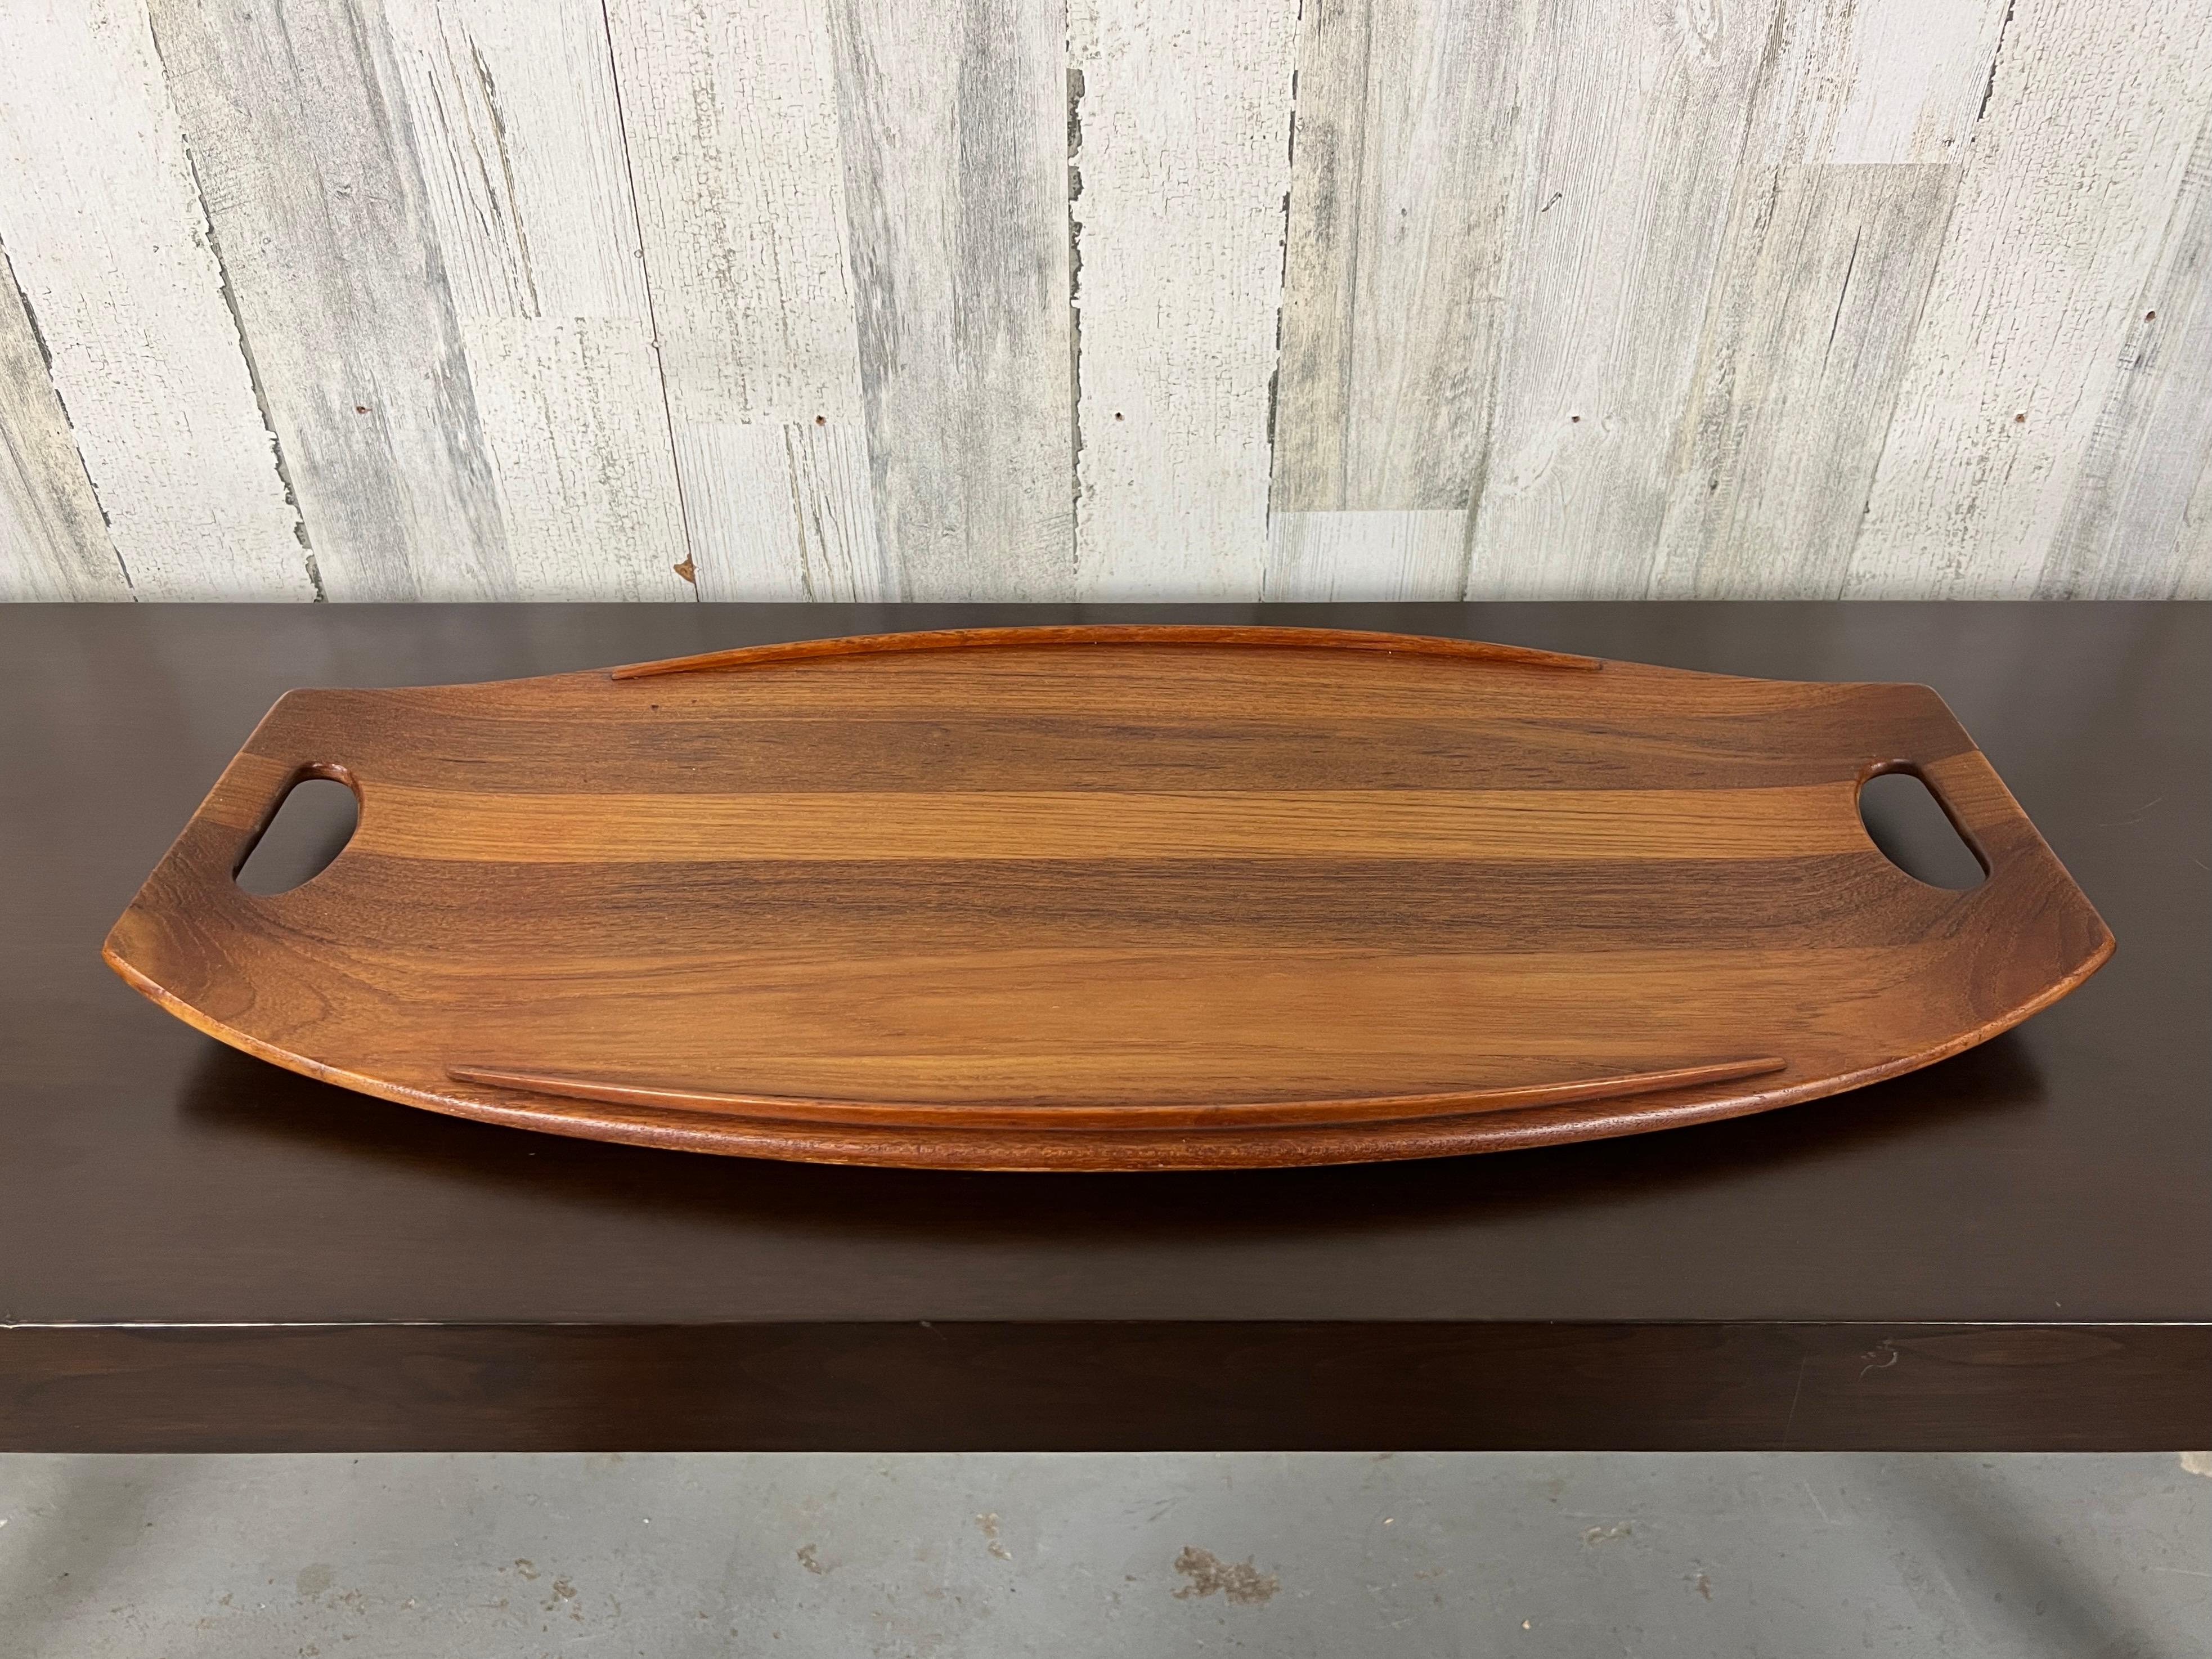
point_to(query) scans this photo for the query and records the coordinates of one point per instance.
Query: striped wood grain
(1108, 898)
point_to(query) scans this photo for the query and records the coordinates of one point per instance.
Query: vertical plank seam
(1509, 252)
(47, 358)
(688, 570)
(1075, 92)
(1283, 282)
(237, 330)
(1997, 56)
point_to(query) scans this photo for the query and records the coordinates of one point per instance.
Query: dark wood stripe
(645, 910)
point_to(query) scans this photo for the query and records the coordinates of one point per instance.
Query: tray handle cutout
(302, 834)
(1908, 820)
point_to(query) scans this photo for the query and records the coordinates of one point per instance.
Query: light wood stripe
(405, 821)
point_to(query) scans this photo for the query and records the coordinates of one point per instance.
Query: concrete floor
(1540, 1554)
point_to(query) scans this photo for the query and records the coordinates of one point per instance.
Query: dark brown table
(201, 1252)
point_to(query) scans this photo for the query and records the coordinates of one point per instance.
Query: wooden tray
(1108, 898)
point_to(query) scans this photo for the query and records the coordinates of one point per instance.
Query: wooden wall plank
(1183, 167)
(513, 119)
(1875, 82)
(386, 184)
(730, 117)
(1622, 199)
(2070, 178)
(2122, 534)
(1382, 555)
(954, 129)
(1403, 165)
(53, 543)
(1806, 343)
(108, 246)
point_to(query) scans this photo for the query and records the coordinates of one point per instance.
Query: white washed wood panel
(1805, 341)
(320, 222)
(53, 543)
(572, 420)
(2123, 533)
(2192, 554)
(731, 116)
(1403, 163)
(103, 231)
(1183, 167)
(2070, 181)
(803, 499)
(1875, 80)
(513, 119)
(388, 186)
(1623, 196)
(1411, 555)
(953, 120)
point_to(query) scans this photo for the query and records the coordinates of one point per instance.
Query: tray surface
(1108, 897)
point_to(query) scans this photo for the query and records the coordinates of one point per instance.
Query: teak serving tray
(1108, 898)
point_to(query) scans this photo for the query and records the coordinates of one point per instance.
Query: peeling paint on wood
(1185, 117)
(109, 247)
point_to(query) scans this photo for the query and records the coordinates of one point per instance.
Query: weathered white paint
(2192, 552)
(518, 136)
(104, 232)
(53, 543)
(1875, 80)
(1404, 163)
(1183, 167)
(956, 190)
(1408, 554)
(1806, 340)
(801, 496)
(2125, 532)
(2070, 179)
(567, 301)
(1623, 200)
(572, 425)
(730, 117)
(388, 184)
